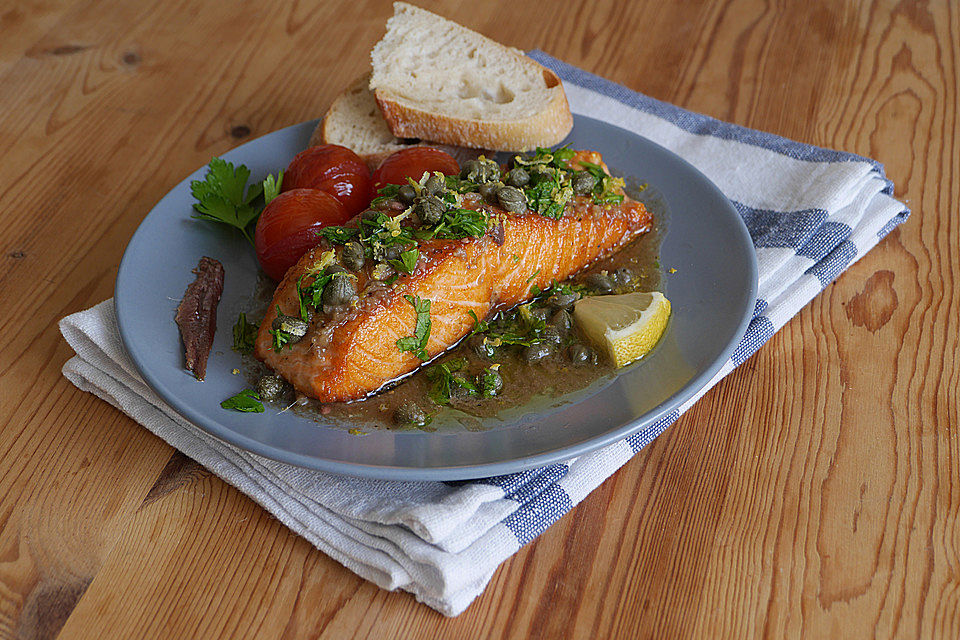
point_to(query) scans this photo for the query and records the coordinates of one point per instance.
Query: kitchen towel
(811, 213)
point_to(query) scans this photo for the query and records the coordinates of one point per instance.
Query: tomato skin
(288, 227)
(412, 163)
(334, 169)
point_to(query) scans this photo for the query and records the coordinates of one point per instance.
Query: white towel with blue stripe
(811, 213)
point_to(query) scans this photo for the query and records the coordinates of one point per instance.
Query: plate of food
(520, 291)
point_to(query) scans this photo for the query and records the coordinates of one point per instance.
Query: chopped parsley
(244, 335)
(408, 261)
(247, 401)
(417, 343)
(447, 380)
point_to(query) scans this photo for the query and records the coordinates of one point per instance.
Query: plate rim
(451, 472)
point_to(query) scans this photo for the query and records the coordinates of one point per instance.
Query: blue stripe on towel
(700, 124)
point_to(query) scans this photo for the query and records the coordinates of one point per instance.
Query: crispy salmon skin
(351, 352)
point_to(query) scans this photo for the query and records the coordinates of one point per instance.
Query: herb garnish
(244, 334)
(447, 380)
(223, 196)
(417, 343)
(605, 190)
(247, 401)
(408, 261)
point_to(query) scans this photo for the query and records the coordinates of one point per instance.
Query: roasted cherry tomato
(334, 169)
(412, 163)
(288, 227)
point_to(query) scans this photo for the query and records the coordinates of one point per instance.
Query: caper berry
(482, 347)
(271, 387)
(490, 383)
(352, 256)
(600, 282)
(488, 191)
(512, 199)
(407, 194)
(435, 185)
(294, 327)
(562, 320)
(339, 291)
(538, 351)
(580, 355)
(409, 414)
(623, 276)
(334, 268)
(429, 209)
(562, 300)
(517, 177)
(583, 183)
(551, 334)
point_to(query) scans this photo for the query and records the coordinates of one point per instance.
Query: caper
(580, 355)
(482, 347)
(370, 215)
(562, 300)
(334, 268)
(407, 194)
(294, 327)
(435, 185)
(539, 172)
(390, 253)
(538, 351)
(488, 191)
(623, 276)
(583, 183)
(517, 177)
(480, 171)
(339, 291)
(271, 387)
(429, 209)
(409, 414)
(352, 256)
(512, 199)
(600, 282)
(562, 320)
(490, 383)
(551, 333)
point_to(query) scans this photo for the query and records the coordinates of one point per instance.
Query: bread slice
(354, 121)
(436, 80)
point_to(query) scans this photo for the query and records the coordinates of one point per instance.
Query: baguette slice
(436, 80)
(354, 121)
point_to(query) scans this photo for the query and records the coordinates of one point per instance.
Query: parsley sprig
(223, 195)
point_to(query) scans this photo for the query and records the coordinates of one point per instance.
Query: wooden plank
(812, 493)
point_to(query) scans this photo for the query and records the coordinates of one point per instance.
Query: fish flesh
(353, 352)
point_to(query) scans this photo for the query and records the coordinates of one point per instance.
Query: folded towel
(811, 213)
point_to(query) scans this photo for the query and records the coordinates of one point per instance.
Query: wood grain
(813, 493)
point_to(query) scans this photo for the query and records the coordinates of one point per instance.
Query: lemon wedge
(626, 326)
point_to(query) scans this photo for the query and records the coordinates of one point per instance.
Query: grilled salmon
(350, 353)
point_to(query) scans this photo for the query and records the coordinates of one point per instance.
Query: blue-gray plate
(712, 292)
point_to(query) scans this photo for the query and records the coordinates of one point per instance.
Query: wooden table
(814, 492)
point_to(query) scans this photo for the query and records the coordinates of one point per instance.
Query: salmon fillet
(350, 355)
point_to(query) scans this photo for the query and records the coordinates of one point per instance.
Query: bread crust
(543, 129)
